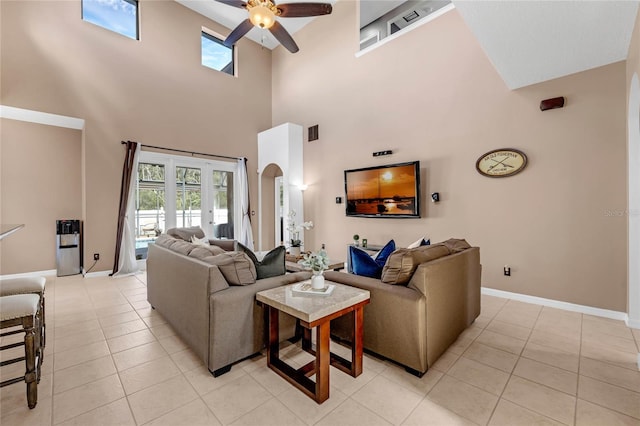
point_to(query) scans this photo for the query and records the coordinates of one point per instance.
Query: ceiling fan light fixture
(262, 16)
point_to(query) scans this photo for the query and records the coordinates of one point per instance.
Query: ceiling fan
(263, 13)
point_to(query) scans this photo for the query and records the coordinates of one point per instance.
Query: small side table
(296, 267)
(315, 311)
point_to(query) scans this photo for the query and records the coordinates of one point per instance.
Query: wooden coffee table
(315, 311)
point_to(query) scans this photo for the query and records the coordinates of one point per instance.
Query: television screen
(384, 191)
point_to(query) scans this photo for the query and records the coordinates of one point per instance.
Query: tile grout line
(514, 367)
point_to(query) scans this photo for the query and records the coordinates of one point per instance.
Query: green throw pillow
(271, 265)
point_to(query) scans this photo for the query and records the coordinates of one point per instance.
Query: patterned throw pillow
(364, 265)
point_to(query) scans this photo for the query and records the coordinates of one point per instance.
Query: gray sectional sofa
(426, 297)
(208, 297)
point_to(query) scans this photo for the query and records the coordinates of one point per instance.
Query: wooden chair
(30, 285)
(22, 310)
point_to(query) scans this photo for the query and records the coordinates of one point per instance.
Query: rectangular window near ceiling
(120, 16)
(216, 55)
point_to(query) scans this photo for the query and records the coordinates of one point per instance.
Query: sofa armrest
(237, 321)
(178, 287)
(449, 285)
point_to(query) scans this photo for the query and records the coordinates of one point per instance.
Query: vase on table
(294, 250)
(317, 280)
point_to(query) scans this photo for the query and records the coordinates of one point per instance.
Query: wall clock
(501, 162)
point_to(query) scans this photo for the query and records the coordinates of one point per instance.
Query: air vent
(410, 17)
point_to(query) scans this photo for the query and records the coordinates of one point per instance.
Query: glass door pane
(188, 197)
(222, 204)
(150, 206)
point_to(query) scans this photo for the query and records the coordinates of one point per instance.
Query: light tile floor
(112, 360)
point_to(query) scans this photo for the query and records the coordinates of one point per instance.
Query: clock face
(501, 162)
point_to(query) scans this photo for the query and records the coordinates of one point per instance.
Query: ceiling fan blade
(234, 3)
(285, 39)
(238, 32)
(301, 10)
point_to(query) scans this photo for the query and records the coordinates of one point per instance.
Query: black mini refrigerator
(68, 247)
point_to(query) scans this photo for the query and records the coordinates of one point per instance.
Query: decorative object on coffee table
(304, 289)
(294, 233)
(318, 262)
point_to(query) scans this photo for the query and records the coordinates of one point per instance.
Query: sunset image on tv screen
(384, 191)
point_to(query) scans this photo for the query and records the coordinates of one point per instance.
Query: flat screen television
(384, 191)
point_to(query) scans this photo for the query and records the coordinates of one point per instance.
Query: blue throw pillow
(381, 257)
(364, 265)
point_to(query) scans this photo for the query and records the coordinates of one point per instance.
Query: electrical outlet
(96, 256)
(507, 271)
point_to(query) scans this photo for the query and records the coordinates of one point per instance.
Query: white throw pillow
(416, 243)
(199, 242)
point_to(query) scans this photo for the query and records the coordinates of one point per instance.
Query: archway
(633, 185)
(270, 205)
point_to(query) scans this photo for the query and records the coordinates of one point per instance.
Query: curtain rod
(189, 152)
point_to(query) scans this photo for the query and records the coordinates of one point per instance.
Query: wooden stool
(22, 310)
(30, 285)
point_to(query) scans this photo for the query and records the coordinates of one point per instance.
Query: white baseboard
(631, 323)
(48, 273)
(97, 274)
(589, 310)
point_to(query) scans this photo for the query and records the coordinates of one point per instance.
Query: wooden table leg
(322, 362)
(356, 347)
(306, 339)
(273, 350)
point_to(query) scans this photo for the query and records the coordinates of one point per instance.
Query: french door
(175, 191)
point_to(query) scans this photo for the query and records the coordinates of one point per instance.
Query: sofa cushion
(271, 265)
(402, 263)
(236, 267)
(186, 233)
(367, 266)
(164, 240)
(200, 252)
(182, 247)
(227, 245)
(456, 245)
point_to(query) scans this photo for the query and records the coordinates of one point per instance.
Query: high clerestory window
(120, 16)
(216, 55)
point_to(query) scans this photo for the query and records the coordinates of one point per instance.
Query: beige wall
(633, 57)
(432, 95)
(633, 67)
(153, 91)
(41, 182)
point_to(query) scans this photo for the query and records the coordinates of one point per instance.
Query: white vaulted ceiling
(528, 41)
(533, 41)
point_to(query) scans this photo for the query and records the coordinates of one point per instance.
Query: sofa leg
(221, 371)
(414, 372)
